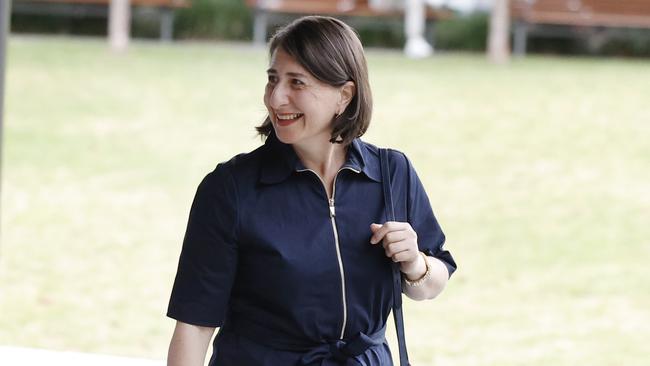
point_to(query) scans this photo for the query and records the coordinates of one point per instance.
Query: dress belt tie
(343, 350)
(331, 353)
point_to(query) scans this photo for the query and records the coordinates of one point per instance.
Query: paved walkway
(18, 356)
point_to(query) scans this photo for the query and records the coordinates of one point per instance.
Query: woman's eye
(297, 82)
(272, 79)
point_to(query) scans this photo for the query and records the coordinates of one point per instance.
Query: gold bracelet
(424, 277)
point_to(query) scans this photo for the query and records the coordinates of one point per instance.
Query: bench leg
(166, 24)
(259, 27)
(430, 32)
(520, 38)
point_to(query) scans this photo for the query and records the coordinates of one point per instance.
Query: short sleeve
(431, 239)
(208, 260)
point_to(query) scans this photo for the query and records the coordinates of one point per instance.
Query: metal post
(259, 27)
(166, 24)
(520, 38)
(5, 16)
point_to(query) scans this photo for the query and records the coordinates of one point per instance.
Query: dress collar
(280, 160)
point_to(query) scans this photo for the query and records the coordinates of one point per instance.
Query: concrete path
(18, 356)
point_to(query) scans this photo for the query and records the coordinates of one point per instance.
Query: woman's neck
(323, 157)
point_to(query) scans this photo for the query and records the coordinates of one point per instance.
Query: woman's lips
(287, 121)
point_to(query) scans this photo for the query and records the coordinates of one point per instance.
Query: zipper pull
(332, 210)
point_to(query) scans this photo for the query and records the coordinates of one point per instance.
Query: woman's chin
(285, 136)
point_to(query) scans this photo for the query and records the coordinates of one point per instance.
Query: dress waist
(315, 353)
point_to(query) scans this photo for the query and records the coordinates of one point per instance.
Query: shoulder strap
(397, 277)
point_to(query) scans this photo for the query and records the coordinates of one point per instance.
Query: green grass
(538, 172)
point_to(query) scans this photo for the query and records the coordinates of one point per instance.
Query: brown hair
(332, 52)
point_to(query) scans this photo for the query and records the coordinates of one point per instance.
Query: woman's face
(301, 108)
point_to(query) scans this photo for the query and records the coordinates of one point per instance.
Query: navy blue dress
(288, 275)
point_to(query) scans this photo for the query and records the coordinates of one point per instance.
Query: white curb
(19, 356)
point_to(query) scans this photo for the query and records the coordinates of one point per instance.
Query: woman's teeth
(287, 117)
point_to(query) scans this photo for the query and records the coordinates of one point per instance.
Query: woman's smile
(286, 119)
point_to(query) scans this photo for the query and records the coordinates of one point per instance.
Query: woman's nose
(279, 96)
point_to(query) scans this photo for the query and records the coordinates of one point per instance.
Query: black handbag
(397, 277)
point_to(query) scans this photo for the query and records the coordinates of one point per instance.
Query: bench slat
(607, 13)
(591, 20)
(159, 3)
(335, 7)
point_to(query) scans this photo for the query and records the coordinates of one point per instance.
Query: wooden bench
(265, 9)
(99, 8)
(553, 17)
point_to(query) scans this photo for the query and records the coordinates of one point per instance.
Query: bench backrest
(333, 7)
(161, 3)
(608, 13)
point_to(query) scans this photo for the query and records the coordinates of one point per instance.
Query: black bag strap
(397, 277)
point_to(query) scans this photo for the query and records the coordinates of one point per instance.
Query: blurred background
(528, 121)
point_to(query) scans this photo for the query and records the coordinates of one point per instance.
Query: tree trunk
(499, 35)
(119, 24)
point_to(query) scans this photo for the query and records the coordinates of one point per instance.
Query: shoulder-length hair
(331, 51)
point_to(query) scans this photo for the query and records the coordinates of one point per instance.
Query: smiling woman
(287, 247)
(301, 107)
(329, 65)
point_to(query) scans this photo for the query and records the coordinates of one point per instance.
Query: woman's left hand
(400, 243)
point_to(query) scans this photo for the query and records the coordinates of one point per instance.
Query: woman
(287, 249)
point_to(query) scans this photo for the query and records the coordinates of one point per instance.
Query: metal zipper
(332, 210)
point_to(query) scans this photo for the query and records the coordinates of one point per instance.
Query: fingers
(398, 239)
(380, 231)
(395, 236)
(401, 251)
(404, 256)
(396, 247)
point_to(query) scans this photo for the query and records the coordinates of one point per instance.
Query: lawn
(539, 173)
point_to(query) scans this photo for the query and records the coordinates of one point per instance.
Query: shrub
(462, 33)
(215, 19)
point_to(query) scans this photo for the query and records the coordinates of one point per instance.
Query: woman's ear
(348, 90)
